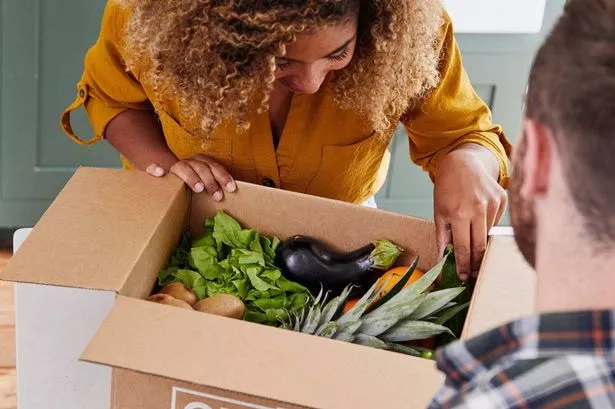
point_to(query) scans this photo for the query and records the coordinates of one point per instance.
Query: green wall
(42, 44)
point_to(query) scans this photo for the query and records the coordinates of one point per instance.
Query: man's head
(565, 161)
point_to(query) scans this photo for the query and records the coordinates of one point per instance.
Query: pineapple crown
(383, 320)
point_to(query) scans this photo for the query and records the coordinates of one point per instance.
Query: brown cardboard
(505, 288)
(257, 360)
(342, 225)
(139, 390)
(118, 229)
(97, 228)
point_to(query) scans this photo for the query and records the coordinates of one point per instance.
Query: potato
(225, 305)
(168, 300)
(179, 291)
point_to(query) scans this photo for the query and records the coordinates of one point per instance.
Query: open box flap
(505, 289)
(257, 360)
(341, 225)
(95, 232)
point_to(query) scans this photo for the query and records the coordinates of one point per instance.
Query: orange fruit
(395, 274)
(349, 304)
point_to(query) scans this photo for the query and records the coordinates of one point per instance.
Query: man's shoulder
(579, 381)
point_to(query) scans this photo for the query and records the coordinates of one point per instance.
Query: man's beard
(522, 213)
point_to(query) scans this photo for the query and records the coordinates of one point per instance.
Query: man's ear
(537, 158)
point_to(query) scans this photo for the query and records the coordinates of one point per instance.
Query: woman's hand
(468, 202)
(199, 173)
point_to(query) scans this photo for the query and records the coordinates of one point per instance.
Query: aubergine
(312, 264)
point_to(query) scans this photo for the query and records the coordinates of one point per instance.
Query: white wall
(497, 16)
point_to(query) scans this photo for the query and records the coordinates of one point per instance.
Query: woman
(302, 96)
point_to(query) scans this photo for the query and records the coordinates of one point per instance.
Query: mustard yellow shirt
(323, 150)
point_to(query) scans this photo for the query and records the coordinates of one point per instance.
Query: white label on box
(183, 398)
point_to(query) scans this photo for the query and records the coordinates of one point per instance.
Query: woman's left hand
(468, 202)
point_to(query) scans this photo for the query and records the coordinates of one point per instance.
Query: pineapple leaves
(397, 287)
(449, 313)
(334, 306)
(403, 349)
(346, 331)
(359, 308)
(298, 320)
(370, 341)
(435, 301)
(327, 330)
(311, 322)
(412, 330)
(382, 319)
(418, 287)
(388, 316)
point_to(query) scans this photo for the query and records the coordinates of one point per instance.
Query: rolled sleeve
(106, 88)
(453, 114)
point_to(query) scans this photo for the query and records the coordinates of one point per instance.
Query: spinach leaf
(226, 229)
(189, 278)
(167, 275)
(228, 259)
(257, 282)
(272, 275)
(203, 258)
(271, 303)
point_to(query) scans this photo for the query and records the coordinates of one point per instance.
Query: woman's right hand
(199, 173)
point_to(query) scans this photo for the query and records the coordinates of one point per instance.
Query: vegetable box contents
(315, 265)
(227, 259)
(303, 285)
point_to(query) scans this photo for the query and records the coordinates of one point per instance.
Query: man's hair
(572, 92)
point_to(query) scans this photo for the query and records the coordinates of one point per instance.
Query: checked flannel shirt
(549, 361)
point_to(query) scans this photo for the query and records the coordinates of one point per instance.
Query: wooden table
(8, 398)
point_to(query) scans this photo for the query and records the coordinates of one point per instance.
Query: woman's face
(312, 56)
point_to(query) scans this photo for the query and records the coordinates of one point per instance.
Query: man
(563, 213)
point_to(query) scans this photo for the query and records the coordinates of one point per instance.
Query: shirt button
(268, 182)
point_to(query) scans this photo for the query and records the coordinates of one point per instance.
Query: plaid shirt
(550, 361)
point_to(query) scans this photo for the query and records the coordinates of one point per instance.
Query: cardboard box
(86, 337)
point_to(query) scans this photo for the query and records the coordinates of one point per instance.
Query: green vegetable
(227, 259)
(409, 314)
(427, 354)
(456, 314)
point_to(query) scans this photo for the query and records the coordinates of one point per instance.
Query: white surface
(501, 231)
(19, 237)
(50, 339)
(496, 16)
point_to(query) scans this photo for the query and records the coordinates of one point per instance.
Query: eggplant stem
(384, 254)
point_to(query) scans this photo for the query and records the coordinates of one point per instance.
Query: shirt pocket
(349, 172)
(185, 145)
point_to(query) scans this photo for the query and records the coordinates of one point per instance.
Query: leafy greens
(231, 260)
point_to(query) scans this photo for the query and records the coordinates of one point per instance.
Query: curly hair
(219, 56)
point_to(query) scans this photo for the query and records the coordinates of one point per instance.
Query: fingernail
(463, 277)
(217, 196)
(231, 186)
(159, 171)
(199, 187)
